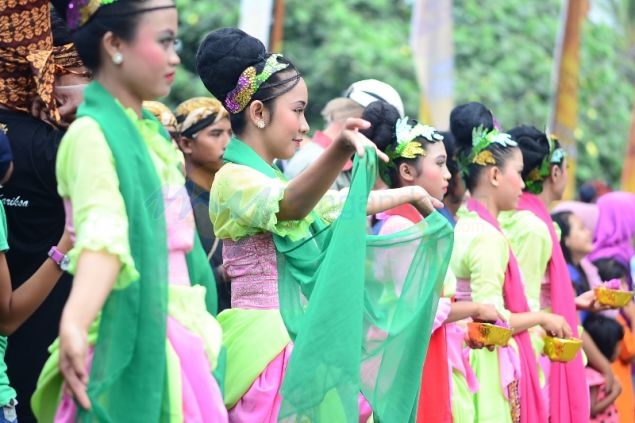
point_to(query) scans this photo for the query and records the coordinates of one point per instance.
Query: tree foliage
(503, 58)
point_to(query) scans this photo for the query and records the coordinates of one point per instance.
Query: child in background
(607, 334)
(609, 269)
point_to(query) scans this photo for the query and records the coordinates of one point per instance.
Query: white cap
(366, 91)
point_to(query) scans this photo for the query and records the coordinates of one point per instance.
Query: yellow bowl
(613, 297)
(488, 334)
(562, 350)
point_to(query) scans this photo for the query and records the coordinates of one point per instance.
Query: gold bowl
(560, 349)
(613, 297)
(488, 334)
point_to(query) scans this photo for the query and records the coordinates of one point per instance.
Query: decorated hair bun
(223, 55)
(465, 118)
(383, 118)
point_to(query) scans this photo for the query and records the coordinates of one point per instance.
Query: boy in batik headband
(138, 338)
(204, 132)
(287, 244)
(418, 158)
(487, 272)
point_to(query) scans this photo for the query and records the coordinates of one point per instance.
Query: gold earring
(260, 124)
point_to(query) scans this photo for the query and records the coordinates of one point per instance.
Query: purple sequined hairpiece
(249, 82)
(80, 11)
(235, 99)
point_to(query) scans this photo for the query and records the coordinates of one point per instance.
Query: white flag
(255, 18)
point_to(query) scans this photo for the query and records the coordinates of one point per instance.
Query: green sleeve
(486, 258)
(86, 175)
(531, 244)
(245, 202)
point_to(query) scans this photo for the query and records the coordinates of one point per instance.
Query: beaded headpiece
(537, 176)
(408, 146)
(80, 11)
(249, 82)
(481, 139)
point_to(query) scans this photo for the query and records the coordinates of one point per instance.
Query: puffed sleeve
(486, 259)
(244, 202)
(86, 175)
(531, 244)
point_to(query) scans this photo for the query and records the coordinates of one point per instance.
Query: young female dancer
(487, 271)
(418, 157)
(138, 341)
(274, 231)
(547, 285)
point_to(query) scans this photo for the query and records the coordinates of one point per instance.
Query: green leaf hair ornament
(481, 140)
(407, 146)
(537, 176)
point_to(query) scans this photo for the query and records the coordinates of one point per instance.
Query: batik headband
(27, 69)
(538, 175)
(408, 147)
(66, 58)
(200, 119)
(249, 82)
(481, 140)
(163, 114)
(188, 106)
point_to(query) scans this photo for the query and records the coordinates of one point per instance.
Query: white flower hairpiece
(406, 132)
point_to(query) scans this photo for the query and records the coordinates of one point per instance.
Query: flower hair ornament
(407, 146)
(249, 82)
(537, 176)
(80, 11)
(481, 140)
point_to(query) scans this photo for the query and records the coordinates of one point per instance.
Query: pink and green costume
(155, 343)
(319, 315)
(487, 272)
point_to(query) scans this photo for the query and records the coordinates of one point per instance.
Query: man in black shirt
(35, 212)
(204, 132)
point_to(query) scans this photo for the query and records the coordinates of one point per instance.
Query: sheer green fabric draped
(358, 307)
(128, 375)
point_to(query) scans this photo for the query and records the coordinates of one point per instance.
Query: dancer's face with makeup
(433, 171)
(149, 58)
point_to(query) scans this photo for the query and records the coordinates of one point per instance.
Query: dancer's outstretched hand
(351, 140)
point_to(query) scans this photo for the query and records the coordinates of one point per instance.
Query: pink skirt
(261, 403)
(202, 400)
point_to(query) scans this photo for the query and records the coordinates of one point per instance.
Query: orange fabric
(625, 403)
(434, 397)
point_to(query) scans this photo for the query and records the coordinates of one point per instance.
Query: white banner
(431, 40)
(255, 18)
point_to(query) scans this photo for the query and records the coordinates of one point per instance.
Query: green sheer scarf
(359, 308)
(128, 374)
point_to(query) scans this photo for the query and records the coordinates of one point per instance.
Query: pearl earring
(117, 58)
(260, 124)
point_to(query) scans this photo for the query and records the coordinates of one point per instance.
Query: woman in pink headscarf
(615, 229)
